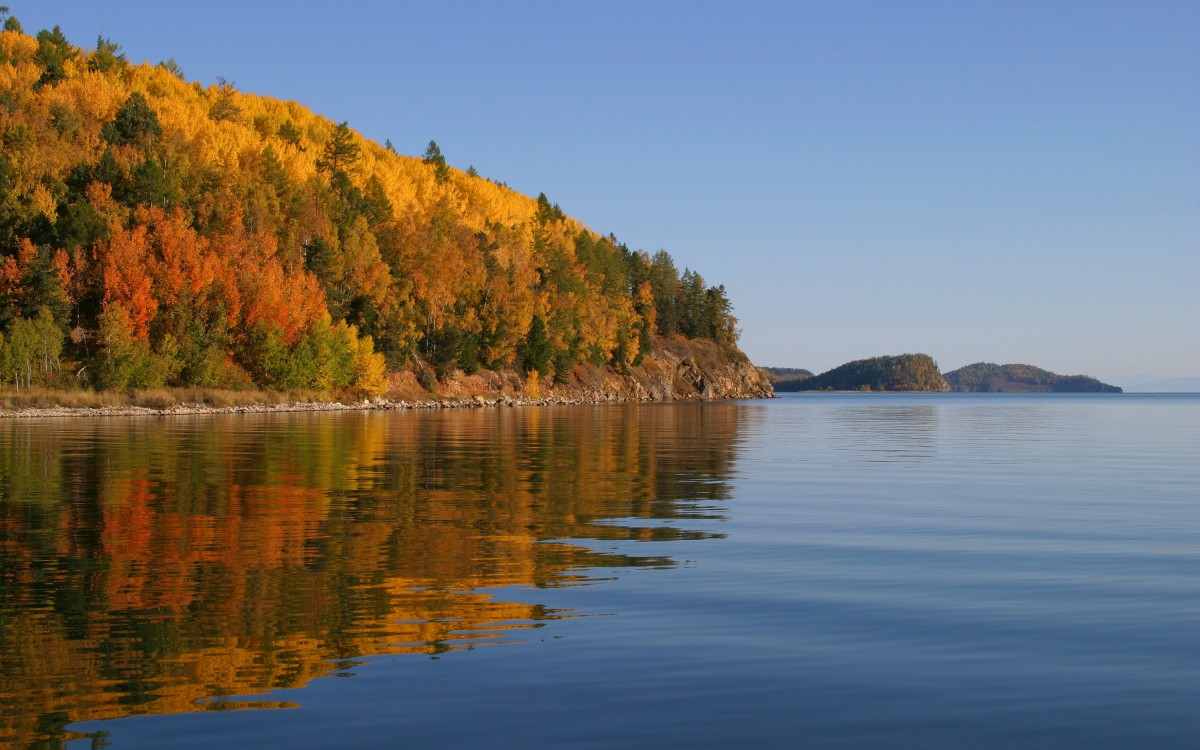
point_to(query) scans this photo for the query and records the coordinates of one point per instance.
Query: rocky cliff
(676, 369)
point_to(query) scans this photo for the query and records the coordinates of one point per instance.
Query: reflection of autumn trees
(148, 564)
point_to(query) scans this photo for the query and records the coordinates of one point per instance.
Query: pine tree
(135, 123)
(341, 152)
(107, 57)
(289, 133)
(433, 156)
(10, 22)
(536, 351)
(52, 54)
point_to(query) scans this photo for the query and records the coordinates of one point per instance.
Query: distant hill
(986, 377)
(906, 372)
(787, 378)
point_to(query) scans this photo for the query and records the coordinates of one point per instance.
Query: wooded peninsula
(158, 232)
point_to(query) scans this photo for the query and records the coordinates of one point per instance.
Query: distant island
(986, 377)
(905, 372)
(918, 372)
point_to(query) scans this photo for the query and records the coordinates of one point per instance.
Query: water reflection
(887, 433)
(161, 565)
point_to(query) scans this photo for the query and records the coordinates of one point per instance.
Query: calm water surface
(817, 571)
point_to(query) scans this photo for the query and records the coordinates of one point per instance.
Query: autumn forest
(158, 232)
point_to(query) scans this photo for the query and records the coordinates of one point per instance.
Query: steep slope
(906, 372)
(156, 231)
(986, 377)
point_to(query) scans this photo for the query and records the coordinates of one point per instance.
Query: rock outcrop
(677, 369)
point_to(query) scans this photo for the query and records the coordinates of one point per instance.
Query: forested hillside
(155, 231)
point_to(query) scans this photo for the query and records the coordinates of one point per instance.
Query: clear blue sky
(1002, 181)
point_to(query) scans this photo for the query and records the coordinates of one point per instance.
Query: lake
(820, 570)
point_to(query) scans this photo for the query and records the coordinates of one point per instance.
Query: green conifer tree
(433, 156)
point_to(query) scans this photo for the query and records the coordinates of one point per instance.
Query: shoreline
(377, 404)
(678, 370)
